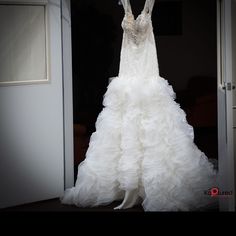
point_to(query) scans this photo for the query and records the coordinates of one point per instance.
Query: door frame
(67, 94)
(225, 104)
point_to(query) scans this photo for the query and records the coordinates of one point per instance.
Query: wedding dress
(143, 150)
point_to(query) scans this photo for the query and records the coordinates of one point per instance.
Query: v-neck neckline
(131, 11)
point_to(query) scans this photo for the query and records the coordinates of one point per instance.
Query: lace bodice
(138, 53)
(137, 29)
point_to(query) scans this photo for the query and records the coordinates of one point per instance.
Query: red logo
(215, 192)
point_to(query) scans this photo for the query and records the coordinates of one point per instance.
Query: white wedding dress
(143, 150)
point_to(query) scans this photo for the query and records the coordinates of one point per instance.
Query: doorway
(186, 41)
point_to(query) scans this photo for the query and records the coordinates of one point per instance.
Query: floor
(54, 205)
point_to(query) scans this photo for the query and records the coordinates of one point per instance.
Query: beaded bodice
(137, 29)
(138, 52)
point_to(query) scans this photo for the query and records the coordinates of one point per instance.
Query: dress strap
(149, 6)
(126, 5)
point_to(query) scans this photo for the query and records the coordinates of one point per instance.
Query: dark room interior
(185, 33)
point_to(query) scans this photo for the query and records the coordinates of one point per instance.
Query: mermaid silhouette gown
(143, 150)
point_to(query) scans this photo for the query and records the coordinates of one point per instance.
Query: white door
(31, 102)
(226, 25)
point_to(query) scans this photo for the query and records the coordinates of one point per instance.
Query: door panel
(31, 124)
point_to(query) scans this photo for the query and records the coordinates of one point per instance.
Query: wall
(194, 52)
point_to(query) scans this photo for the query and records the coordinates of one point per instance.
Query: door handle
(229, 86)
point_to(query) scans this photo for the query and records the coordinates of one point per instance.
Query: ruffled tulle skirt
(143, 141)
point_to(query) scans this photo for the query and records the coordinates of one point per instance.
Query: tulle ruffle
(143, 141)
